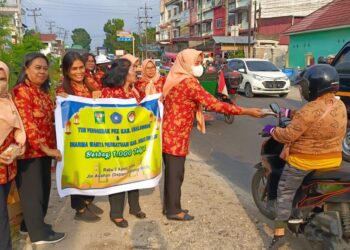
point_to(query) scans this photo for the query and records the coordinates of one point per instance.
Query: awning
(233, 39)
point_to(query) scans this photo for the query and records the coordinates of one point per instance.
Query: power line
(34, 15)
(146, 22)
(50, 25)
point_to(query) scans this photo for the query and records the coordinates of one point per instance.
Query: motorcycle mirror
(275, 107)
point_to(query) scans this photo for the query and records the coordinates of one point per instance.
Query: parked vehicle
(158, 63)
(167, 61)
(342, 64)
(321, 206)
(209, 81)
(259, 77)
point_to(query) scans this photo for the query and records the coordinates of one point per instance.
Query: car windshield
(261, 66)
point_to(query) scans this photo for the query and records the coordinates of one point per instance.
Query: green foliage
(13, 56)
(81, 37)
(111, 43)
(236, 54)
(5, 32)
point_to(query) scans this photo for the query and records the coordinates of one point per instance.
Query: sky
(88, 14)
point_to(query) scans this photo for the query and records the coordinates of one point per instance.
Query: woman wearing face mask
(33, 179)
(76, 83)
(183, 100)
(12, 139)
(90, 68)
(117, 84)
(151, 81)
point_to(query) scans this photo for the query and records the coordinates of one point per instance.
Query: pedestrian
(90, 67)
(31, 95)
(75, 82)
(102, 64)
(313, 138)
(151, 81)
(330, 59)
(12, 140)
(117, 84)
(183, 100)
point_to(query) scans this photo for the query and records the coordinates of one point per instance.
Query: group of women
(27, 118)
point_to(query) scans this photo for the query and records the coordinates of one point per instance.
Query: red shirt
(140, 85)
(94, 81)
(37, 112)
(7, 172)
(99, 75)
(79, 90)
(180, 106)
(118, 93)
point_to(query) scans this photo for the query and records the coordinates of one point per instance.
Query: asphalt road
(233, 150)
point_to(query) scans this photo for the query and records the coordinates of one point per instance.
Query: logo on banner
(116, 118)
(131, 116)
(99, 117)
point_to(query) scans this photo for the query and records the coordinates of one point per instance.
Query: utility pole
(226, 17)
(50, 25)
(146, 22)
(249, 25)
(34, 15)
(60, 32)
(139, 30)
(65, 36)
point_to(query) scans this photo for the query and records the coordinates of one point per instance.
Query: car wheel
(346, 146)
(283, 95)
(248, 91)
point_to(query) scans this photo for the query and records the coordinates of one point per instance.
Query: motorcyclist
(313, 139)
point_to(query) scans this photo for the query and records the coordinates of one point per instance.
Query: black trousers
(34, 184)
(173, 179)
(5, 234)
(116, 202)
(78, 202)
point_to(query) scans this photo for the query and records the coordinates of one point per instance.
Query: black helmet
(318, 80)
(321, 60)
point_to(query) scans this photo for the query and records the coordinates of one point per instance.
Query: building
(321, 33)
(54, 46)
(13, 10)
(201, 24)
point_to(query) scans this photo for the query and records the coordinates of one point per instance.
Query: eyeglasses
(150, 67)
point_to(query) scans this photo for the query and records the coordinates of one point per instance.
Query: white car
(260, 77)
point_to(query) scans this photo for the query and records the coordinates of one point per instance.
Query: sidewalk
(220, 221)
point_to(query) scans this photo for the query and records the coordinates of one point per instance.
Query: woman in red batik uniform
(184, 97)
(117, 84)
(33, 179)
(90, 71)
(76, 83)
(151, 81)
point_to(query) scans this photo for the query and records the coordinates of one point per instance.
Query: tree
(110, 42)
(14, 55)
(81, 37)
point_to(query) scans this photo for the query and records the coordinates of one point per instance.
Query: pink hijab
(150, 88)
(180, 71)
(9, 116)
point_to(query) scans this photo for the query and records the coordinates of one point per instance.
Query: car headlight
(257, 77)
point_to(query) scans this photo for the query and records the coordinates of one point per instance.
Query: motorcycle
(321, 206)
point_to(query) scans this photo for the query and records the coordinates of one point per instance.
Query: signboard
(124, 39)
(108, 145)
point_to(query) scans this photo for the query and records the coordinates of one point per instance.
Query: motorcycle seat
(341, 174)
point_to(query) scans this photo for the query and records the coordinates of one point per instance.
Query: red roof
(48, 37)
(334, 14)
